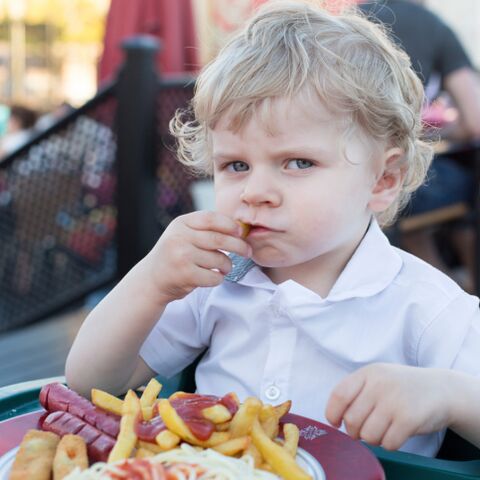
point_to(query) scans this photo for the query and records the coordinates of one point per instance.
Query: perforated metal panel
(58, 209)
(57, 217)
(173, 179)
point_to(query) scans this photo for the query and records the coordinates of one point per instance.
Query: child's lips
(261, 230)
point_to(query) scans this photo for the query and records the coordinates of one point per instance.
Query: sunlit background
(49, 49)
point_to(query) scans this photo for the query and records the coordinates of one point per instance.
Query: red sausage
(99, 444)
(57, 397)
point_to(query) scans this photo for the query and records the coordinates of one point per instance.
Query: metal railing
(84, 200)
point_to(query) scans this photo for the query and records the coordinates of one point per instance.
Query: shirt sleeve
(175, 341)
(452, 339)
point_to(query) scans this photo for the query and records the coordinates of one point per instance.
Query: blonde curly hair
(348, 62)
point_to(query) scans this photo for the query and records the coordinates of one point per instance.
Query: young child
(310, 125)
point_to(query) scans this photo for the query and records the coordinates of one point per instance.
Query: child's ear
(389, 182)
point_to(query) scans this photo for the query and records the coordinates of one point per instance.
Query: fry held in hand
(245, 229)
(34, 459)
(71, 453)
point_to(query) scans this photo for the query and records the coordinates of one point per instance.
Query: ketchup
(189, 407)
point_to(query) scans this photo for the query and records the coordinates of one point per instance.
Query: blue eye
(237, 166)
(299, 164)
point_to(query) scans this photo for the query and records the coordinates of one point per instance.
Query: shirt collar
(372, 268)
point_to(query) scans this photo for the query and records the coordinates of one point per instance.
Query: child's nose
(259, 190)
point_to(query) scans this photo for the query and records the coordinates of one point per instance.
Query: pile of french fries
(253, 430)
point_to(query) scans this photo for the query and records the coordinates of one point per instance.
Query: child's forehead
(277, 115)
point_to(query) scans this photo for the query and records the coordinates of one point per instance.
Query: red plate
(340, 457)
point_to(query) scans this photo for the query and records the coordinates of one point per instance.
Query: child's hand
(188, 254)
(385, 404)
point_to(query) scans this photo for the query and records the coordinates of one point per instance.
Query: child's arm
(105, 352)
(385, 404)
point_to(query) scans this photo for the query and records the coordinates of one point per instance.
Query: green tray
(407, 466)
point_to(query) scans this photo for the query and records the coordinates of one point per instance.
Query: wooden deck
(39, 350)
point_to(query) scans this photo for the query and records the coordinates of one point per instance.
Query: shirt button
(272, 392)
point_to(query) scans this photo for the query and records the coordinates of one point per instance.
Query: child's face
(305, 197)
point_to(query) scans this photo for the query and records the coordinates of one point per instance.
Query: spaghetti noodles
(184, 463)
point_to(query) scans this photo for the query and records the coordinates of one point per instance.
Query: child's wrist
(464, 390)
(147, 285)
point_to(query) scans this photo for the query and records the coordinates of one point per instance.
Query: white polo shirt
(281, 342)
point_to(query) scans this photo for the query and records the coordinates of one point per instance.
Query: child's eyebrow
(220, 156)
(290, 152)
(302, 151)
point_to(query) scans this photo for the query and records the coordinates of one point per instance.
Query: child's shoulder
(418, 274)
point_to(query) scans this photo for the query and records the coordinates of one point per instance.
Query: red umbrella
(170, 21)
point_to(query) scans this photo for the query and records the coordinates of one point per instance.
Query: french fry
(34, 459)
(153, 447)
(175, 424)
(292, 435)
(242, 420)
(245, 228)
(283, 408)
(147, 412)
(127, 437)
(166, 440)
(265, 466)
(71, 454)
(269, 421)
(217, 414)
(252, 450)
(276, 456)
(266, 411)
(232, 447)
(144, 453)
(148, 398)
(177, 395)
(223, 427)
(106, 401)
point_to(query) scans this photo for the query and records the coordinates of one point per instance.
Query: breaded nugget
(71, 453)
(34, 459)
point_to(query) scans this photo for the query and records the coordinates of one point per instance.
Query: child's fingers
(375, 426)
(209, 240)
(213, 221)
(213, 260)
(342, 396)
(204, 277)
(396, 435)
(357, 413)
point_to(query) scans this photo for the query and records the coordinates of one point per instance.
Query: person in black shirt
(435, 50)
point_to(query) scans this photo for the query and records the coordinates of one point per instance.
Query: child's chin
(263, 263)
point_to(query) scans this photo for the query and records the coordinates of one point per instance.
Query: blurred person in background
(438, 57)
(20, 126)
